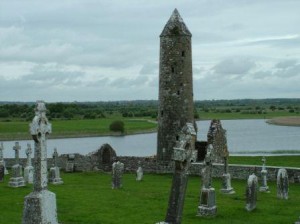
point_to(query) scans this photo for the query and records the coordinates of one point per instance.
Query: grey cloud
(149, 68)
(286, 63)
(234, 66)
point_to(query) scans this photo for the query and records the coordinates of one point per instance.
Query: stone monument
(251, 193)
(28, 171)
(264, 186)
(40, 205)
(54, 177)
(17, 179)
(2, 158)
(139, 172)
(183, 154)
(282, 184)
(117, 173)
(176, 106)
(207, 205)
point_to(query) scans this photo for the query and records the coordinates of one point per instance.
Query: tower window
(178, 92)
(162, 113)
(182, 53)
(173, 69)
(177, 137)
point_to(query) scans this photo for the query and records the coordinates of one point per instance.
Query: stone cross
(40, 205)
(264, 187)
(55, 156)
(28, 154)
(17, 148)
(183, 155)
(207, 171)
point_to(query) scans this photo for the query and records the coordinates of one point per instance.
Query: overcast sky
(101, 50)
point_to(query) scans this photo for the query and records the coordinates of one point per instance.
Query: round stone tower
(176, 106)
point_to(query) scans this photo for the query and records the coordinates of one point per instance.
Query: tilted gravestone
(17, 180)
(282, 184)
(251, 193)
(40, 205)
(117, 173)
(54, 177)
(264, 186)
(28, 171)
(139, 172)
(207, 205)
(184, 153)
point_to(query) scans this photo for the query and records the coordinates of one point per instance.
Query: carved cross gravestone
(251, 193)
(184, 153)
(40, 205)
(207, 205)
(282, 184)
(264, 186)
(117, 173)
(139, 172)
(54, 177)
(17, 179)
(28, 171)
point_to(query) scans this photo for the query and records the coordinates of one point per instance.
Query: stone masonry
(176, 107)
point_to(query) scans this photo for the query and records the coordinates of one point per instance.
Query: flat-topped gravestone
(16, 179)
(117, 173)
(251, 193)
(28, 171)
(282, 184)
(54, 177)
(139, 172)
(40, 205)
(70, 166)
(207, 205)
(264, 186)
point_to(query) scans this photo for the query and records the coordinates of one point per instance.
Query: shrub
(117, 126)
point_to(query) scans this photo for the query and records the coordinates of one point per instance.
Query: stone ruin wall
(150, 165)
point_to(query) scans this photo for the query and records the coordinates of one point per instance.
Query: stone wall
(150, 165)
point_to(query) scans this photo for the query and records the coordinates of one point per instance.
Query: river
(243, 137)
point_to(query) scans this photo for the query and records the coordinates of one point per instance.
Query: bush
(117, 126)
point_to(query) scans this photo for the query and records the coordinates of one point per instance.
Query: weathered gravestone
(183, 154)
(2, 167)
(54, 177)
(282, 184)
(207, 205)
(28, 171)
(117, 173)
(2, 158)
(251, 193)
(264, 186)
(139, 172)
(70, 166)
(40, 205)
(16, 179)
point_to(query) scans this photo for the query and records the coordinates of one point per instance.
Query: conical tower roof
(175, 26)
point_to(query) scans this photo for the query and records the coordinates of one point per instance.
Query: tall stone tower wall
(176, 106)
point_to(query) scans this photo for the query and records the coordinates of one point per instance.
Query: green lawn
(88, 198)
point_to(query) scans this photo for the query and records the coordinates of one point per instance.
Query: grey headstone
(251, 192)
(139, 172)
(282, 184)
(28, 171)
(117, 173)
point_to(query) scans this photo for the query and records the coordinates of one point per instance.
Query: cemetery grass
(87, 198)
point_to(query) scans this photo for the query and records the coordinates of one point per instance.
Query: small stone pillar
(70, 166)
(226, 183)
(251, 193)
(40, 205)
(28, 171)
(139, 172)
(264, 186)
(54, 177)
(117, 173)
(17, 179)
(282, 184)
(207, 205)
(183, 154)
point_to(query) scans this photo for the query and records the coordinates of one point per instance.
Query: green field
(87, 198)
(16, 130)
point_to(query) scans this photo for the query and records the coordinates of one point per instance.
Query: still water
(243, 136)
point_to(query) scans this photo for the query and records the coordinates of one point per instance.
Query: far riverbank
(285, 121)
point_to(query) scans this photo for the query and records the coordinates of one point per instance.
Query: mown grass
(87, 198)
(285, 161)
(74, 128)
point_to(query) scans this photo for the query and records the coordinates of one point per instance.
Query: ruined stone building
(176, 106)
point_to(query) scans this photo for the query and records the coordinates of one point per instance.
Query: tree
(117, 126)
